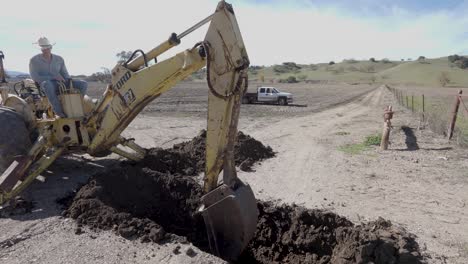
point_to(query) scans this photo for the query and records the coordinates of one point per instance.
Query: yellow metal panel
(132, 91)
(72, 105)
(227, 55)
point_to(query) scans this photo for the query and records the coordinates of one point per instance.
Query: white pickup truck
(267, 95)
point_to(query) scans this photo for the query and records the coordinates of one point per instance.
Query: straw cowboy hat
(44, 42)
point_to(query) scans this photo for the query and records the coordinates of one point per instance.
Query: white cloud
(90, 33)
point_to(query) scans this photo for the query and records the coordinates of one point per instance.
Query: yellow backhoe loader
(31, 138)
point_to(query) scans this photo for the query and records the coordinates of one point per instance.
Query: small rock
(176, 250)
(190, 252)
(246, 165)
(78, 231)
(126, 232)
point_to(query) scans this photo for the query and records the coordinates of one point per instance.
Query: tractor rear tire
(14, 137)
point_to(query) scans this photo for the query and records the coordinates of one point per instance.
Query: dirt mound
(155, 200)
(247, 150)
(294, 234)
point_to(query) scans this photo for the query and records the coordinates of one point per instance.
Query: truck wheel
(282, 101)
(14, 137)
(251, 100)
(245, 100)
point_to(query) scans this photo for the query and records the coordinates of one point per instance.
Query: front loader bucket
(231, 219)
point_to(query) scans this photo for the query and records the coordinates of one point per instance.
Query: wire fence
(443, 113)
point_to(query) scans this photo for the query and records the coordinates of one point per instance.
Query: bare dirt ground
(421, 183)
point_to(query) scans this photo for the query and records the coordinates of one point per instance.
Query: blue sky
(89, 35)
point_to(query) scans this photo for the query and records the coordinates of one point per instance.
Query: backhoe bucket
(231, 219)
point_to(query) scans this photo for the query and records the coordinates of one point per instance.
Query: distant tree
(444, 79)
(102, 76)
(409, 59)
(454, 58)
(421, 58)
(290, 79)
(123, 56)
(385, 60)
(462, 63)
(372, 60)
(331, 63)
(402, 59)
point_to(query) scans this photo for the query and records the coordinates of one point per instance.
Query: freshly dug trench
(155, 200)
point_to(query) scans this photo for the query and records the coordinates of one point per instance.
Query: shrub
(290, 79)
(462, 63)
(454, 58)
(386, 60)
(373, 140)
(331, 63)
(372, 60)
(421, 58)
(444, 79)
(302, 77)
(286, 67)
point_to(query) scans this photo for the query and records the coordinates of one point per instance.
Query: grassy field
(420, 72)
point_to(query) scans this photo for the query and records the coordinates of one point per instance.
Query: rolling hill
(421, 72)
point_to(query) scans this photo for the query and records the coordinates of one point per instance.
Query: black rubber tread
(14, 137)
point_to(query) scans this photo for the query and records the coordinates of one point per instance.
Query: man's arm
(64, 71)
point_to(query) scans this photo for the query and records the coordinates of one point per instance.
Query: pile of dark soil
(247, 150)
(294, 234)
(155, 200)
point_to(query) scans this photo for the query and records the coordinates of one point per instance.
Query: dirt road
(420, 184)
(423, 189)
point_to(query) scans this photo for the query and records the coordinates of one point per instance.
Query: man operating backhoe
(48, 70)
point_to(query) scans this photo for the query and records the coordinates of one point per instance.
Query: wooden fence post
(453, 118)
(412, 103)
(388, 115)
(407, 102)
(423, 109)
